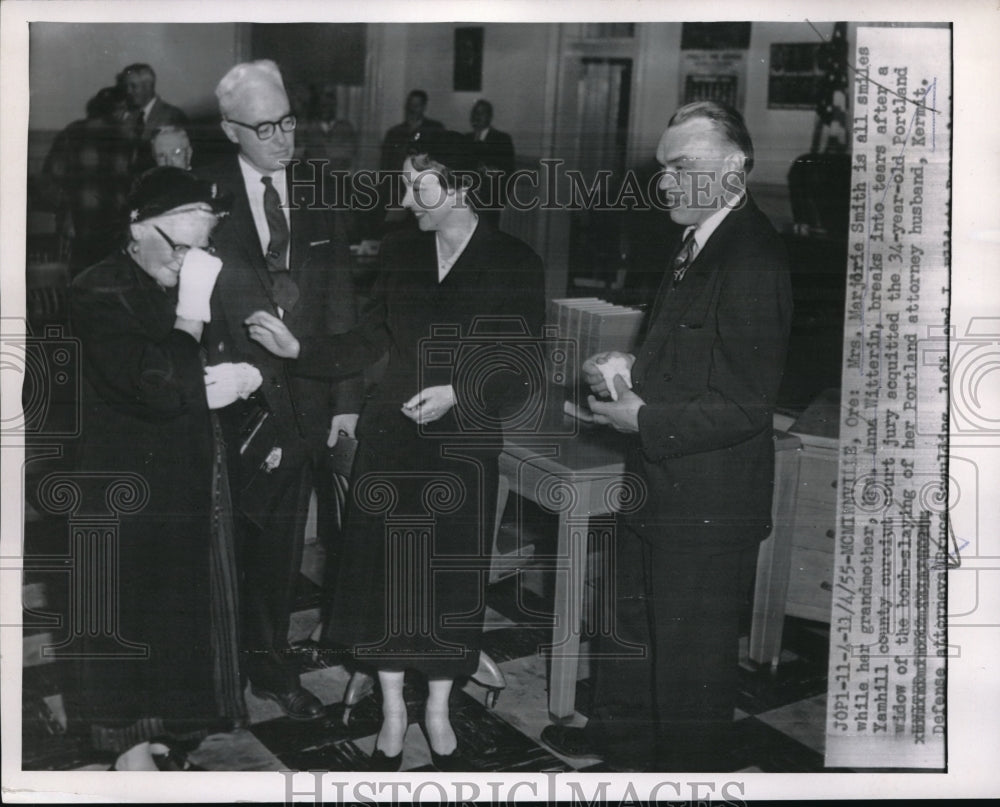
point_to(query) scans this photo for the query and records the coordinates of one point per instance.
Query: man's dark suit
(495, 152)
(397, 140)
(162, 114)
(272, 507)
(708, 370)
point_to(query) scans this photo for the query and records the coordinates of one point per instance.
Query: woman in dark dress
(139, 316)
(454, 306)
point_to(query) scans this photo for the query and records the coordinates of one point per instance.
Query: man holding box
(696, 403)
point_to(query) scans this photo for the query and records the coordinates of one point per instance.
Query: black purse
(259, 446)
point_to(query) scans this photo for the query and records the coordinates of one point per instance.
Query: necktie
(140, 122)
(283, 288)
(678, 266)
(685, 256)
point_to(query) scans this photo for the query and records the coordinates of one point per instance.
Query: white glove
(197, 279)
(224, 383)
(615, 365)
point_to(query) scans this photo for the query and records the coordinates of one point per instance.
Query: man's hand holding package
(600, 370)
(621, 414)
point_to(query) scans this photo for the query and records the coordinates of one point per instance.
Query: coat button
(222, 347)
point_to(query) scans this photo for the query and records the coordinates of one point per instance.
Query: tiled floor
(780, 714)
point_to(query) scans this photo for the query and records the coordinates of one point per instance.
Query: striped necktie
(284, 291)
(684, 257)
(678, 266)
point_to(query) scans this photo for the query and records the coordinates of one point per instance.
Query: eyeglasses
(181, 248)
(265, 129)
(174, 247)
(177, 152)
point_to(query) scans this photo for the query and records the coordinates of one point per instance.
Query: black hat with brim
(164, 188)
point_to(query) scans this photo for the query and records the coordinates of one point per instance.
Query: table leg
(571, 553)
(503, 493)
(774, 564)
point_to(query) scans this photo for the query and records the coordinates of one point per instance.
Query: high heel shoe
(378, 761)
(359, 687)
(446, 763)
(489, 676)
(171, 756)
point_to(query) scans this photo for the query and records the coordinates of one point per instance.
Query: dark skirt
(410, 589)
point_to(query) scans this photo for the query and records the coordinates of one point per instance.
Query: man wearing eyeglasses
(282, 252)
(694, 404)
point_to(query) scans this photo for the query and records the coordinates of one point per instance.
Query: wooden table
(583, 476)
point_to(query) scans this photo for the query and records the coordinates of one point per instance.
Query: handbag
(260, 453)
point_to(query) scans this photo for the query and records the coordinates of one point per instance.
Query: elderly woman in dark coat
(139, 316)
(419, 524)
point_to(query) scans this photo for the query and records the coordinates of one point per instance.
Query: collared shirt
(255, 195)
(703, 231)
(481, 136)
(148, 108)
(445, 264)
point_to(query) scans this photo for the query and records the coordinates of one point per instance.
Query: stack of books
(594, 325)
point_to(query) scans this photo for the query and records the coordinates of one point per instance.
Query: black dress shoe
(378, 761)
(570, 741)
(298, 703)
(446, 763)
(449, 763)
(171, 756)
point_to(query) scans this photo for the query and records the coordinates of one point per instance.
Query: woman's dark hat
(451, 149)
(161, 189)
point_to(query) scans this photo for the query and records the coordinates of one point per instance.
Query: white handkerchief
(616, 365)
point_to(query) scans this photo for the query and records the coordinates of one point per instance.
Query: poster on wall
(468, 59)
(714, 75)
(795, 75)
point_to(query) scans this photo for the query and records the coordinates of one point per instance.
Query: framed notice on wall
(794, 76)
(468, 75)
(714, 75)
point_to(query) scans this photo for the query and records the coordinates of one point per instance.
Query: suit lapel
(298, 250)
(682, 299)
(244, 233)
(464, 270)
(694, 288)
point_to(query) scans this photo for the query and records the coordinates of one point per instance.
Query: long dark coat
(410, 593)
(145, 412)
